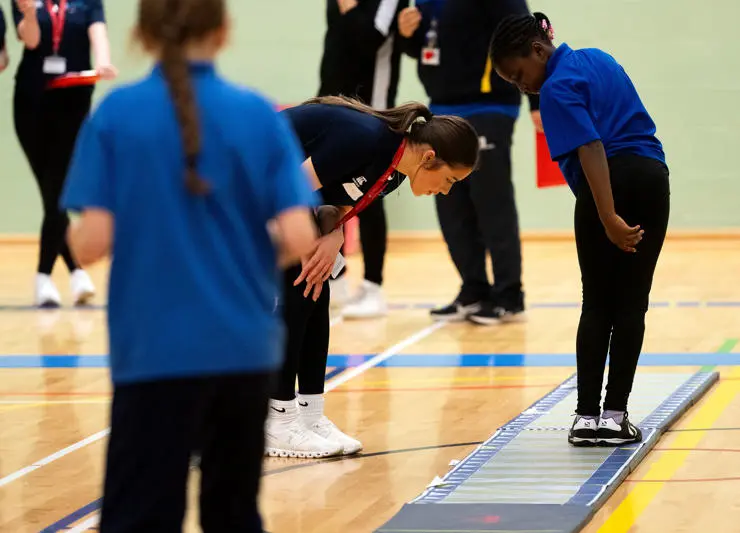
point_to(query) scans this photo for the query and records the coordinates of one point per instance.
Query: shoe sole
(483, 321)
(293, 454)
(616, 442)
(581, 442)
(84, 298)
(49, 304)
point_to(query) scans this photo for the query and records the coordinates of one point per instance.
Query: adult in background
(450, 40)
(58, 36)
(362, 60)
(3, 50)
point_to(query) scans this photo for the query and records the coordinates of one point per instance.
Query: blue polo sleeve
(289, 185)
(96, 12)
(565, 117)
(89, 181)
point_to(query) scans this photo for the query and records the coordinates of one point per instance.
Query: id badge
(338, 266)
(55, 65)
(430, 56)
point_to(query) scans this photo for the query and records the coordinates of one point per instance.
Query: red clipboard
(75, 79)
(548, 171)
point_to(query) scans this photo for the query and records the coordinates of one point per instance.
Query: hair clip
(549, 31)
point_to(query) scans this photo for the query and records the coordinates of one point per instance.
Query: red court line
(54, 393)
(468, 387)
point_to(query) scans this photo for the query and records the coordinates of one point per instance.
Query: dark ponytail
(453, 139)
(170, 25)
(514, 35)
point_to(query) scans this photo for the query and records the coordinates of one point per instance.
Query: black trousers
(373, 240)
(616, 284)
(480, 214)
(307, 346)
(47, 124)
(154, 427)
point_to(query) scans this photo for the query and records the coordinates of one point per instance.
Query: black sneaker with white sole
(490, 314)
(612, 434)
(583, 431)
(456, 311)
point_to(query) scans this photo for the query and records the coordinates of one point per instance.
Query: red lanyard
(57, 22)
(376, 189)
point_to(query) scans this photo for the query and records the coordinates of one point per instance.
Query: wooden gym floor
(418, 406)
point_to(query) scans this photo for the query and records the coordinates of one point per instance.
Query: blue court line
(409, 360)
(73, 517)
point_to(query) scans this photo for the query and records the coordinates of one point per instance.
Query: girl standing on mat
(177, 176)
(58, 36)
(599, 131)
(353, 155)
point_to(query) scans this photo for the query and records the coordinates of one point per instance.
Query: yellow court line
(666, 466)
(8, 407)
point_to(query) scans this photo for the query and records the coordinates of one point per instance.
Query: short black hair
(514, 35)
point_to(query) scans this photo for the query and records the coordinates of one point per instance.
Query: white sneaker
(46, 294)
(82, 287)
(287, 436)
(370, 303)
(339, 290)
(311, 408)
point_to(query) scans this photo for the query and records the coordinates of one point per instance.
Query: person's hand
(318, 266)
(107, 72)
(409, 20)
(27, 7)
(4, 59)
(537, 121)
(621, 234)
(346, 5)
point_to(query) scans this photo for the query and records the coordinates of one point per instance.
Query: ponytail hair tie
(418, 120)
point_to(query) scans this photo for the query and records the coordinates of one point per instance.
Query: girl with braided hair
(189, 170)
(603, 138)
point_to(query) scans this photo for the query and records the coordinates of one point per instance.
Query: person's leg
(492, 193)
(369, 302)
(285, 434)
(641, 196)
(459, 224)
(596, 255)
(32, 126)
(147, 461)
(311, 379)
(233, 447)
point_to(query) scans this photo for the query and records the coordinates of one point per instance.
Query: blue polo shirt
(74, 46)
(350, 150)
(588, 96)
(194, 278)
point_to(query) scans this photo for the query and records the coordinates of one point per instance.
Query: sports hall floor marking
(396, 306)
(361, 362)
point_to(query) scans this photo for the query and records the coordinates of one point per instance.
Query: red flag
(548, 171)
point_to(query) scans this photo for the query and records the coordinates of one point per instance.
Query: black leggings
(307, 345)
(47, 124)
(616, 284)
(154, 427)
(374, 240)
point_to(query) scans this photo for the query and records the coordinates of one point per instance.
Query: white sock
(617, 416)
(281, 411)
(311, 406)
(589, 417)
